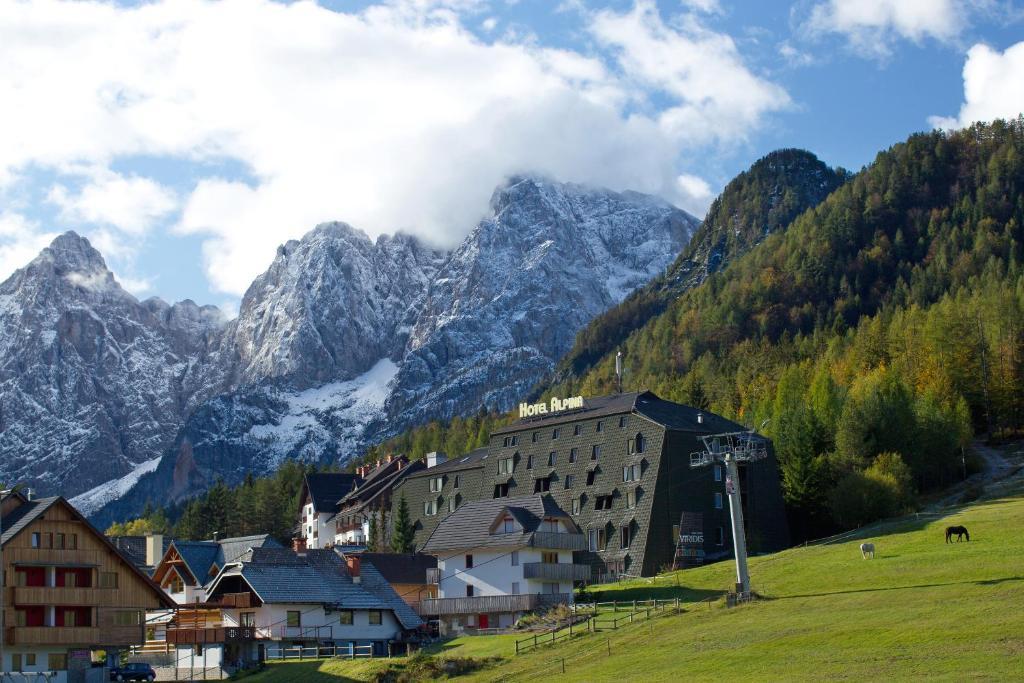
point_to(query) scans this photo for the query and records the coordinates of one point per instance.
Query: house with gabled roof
(69, 593)
(318, 503)
(273, 597)
(371, 498)
(500, 558)
(188, 566)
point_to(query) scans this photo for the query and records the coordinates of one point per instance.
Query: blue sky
(188, 139)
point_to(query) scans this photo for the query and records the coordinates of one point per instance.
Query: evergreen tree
(373, 543)
(401, 539)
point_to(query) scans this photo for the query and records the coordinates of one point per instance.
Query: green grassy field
(920, 609)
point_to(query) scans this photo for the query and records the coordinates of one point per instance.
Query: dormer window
(577, 430)
(542, 485)
(603, 503)
(622, 422)
(508, 525)
(600, 426)
(501, 490)
(533, 437)
(436, 484)
(529, 462)
(636, 444)
(554, 433)
(510, 441)
(430, 508)
(506, 465)
(552, 458)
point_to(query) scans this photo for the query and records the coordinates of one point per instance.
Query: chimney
(154, 549)
(299, 545)
(390, 458)
(353, 568)
(700, 418)
(30, 494)
(435, 458)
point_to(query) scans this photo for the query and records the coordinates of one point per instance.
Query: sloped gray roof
(231, 548)
(279, 575)
(23, 515)
(472, 459)
(133, 548)
(199, 556)
(327, 488)
(401, 567)
(470, 525)
(666, 413)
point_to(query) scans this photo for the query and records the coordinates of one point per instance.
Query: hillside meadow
(921, 608)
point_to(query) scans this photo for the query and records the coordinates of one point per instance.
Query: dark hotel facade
(620, 466)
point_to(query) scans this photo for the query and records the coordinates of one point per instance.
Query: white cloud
(993, 87)
(717, 98)
(21, 240)
(136, 285)
(706, 6)
(397, 117)
(131, 204)
(871, 26)
(794, 56)
(693, 193)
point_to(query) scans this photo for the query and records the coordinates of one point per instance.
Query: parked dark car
(133, 672)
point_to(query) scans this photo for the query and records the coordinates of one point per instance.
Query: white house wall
(275, 616)
(493, 573)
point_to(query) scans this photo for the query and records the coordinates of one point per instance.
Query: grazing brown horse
(960, 532)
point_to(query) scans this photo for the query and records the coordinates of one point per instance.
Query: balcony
(49, 595)
(212, 635)
(558, 541)
(556, 572)
(235, 601)
(65, 557)
(84, 636)
(433, 575)
(485, 604)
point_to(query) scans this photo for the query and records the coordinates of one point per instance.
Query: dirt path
(996, 467)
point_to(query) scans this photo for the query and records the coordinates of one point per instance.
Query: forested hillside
(758, 202)
(875, 334)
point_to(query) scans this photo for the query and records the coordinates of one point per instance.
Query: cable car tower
(730, 449)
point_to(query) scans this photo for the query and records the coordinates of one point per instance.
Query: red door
(482, 620)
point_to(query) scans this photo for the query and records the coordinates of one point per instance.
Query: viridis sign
(554, 406)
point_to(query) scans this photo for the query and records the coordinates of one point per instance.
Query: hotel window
(573, 453)
(718, 501)
(631, 472)
(293, 619)
(469, 591)
(597, 541)
(591, 474)
(603, 503)
(506, 442)
(515, 588)
(552, 458)
(622, 422)
(554, 433)
(542, 485)
(56, 661)
(595, 451)
(548, 557)
(506, 465)
(376, 617)
(455, 482)
(635, 445)
(720, 536)
(469, 561)
(247, 619)
(600, 426)
(718, 473)
(577, 430)
(430, 508)
(529, 462)
(624, 536)
(436, 484)
(575, 506)
(630, 499)
(568, 481)
(453, 504)
(501, 490)
(533, 437)
(345, 617)
(515, 558)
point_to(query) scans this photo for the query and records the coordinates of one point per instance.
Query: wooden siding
(562, 571)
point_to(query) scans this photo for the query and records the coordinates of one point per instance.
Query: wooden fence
(595, 620)
(350, 651)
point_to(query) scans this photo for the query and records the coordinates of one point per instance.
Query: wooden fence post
(563, 665)
(609, 641)
(535, 640)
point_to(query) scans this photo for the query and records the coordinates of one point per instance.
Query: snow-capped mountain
(94, 383)
(341, 342)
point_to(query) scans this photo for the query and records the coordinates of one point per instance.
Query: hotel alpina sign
(556, 405)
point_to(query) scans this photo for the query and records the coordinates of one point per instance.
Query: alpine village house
(68, 592)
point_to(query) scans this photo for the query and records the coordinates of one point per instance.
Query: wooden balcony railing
(485, 604)
(235, 601)
(47, 595)
(61, 556)
(433, 575)
(556, 572)
(558, 541)
(223, 634)
(75, 635)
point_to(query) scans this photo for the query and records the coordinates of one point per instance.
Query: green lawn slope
(920, 609)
